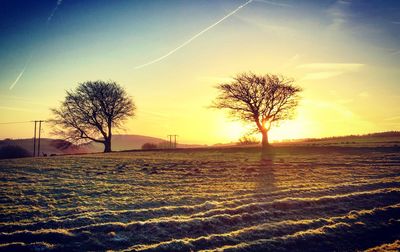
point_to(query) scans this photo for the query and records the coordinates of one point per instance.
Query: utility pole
(34, 140)
(172, 145)
(34, 137)
(175, 141)
(169, 142)
(40, 129)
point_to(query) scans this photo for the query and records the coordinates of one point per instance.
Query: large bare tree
(262, 99)
(89, 112)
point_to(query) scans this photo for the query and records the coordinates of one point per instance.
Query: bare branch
(263, 99)
(89, 112)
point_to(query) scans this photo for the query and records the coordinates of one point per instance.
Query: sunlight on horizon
(344, 58)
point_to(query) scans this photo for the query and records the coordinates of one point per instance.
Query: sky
(170, 55)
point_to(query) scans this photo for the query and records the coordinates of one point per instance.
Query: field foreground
(293, 198)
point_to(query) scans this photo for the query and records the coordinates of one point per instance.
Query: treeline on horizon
(392, 133)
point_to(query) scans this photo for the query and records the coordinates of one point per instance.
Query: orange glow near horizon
(287, 130)
(348, 69)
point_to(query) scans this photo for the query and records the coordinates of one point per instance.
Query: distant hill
(47, 146)
(119, 143)
(132, 142)
(124, 142)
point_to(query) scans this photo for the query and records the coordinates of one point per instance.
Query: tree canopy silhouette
(89, 112)
(262, 99)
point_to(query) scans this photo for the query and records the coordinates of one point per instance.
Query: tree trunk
(264, 141)
(107, 144)
(107, 140)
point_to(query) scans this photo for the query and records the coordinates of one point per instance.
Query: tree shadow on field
(266, 177)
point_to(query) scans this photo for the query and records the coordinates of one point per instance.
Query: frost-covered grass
(295, 198)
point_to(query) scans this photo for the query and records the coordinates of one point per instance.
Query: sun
(287, 130)
(232, 131)
(235, 130)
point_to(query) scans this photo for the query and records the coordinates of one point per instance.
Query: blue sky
(345, 54)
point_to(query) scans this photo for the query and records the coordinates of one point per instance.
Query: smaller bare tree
(262, 99)
(89, 112)
(247, 140)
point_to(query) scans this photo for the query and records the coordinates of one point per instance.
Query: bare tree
(262, 99)
(89, 112)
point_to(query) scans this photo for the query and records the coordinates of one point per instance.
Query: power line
(15, 122)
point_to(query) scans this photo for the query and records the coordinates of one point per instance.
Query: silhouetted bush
(5, 141)
(13, 151)
(164, 145)
(61, 144)
(247, 140)
(149, 146)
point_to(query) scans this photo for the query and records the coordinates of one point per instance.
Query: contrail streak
(17, 79)
(59, 2)
(194, 37)
(21, 73)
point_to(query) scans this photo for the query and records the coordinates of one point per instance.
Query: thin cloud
(338, 111)
(321, 75)
(275, 3)
(328, 70)
(332, 66)
(17, 109)
(338, 13)
(345, 101)
(19, 99)
(153, 114)
(194, 37)
(215, 79)
(363, 94)
(395, 118)
(291, 61)
(295, 57)
(396, 53)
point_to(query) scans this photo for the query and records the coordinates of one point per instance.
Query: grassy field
(292, 198)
